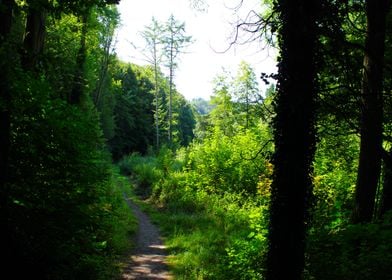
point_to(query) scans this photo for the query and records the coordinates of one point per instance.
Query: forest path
(148, 260)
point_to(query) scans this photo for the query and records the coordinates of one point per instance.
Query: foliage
(334, 180)
(361, 251)
(143, 170)
(61, 200)
(201, 106)
(133, 113)
(213, 196)
(68, 216)
(230, 164)
(213, 231)
(63, 206)
(247, 95)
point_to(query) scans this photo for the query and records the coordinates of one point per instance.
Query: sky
(211, 31)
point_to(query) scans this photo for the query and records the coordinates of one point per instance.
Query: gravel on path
(148, 260)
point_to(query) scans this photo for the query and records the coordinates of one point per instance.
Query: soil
(148, 259)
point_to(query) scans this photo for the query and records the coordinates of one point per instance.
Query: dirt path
(148, 259)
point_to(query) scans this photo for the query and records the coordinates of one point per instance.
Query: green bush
(210, 211)
(334, 180)
(67, 217)
(144, 171)
(228, 164)
(362, 252)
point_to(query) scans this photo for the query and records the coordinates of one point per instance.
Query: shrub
(66, 216)
(362, 252)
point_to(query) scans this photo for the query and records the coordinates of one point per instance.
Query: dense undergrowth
(213, 229)
(211, 202)
(67, 215)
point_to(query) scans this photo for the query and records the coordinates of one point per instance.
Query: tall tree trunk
(78, 84)
(171, 70)
(33, 43)
(369, 167)
(294, 136)
(156, 98)
(6, 18)
(103, 71)
(6, 10)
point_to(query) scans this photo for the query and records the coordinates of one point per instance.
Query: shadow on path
(148, 259)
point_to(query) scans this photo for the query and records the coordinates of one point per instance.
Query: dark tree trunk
(33, 43)
(294, 136)
(372, 112)
(78, 84)
(6, 18)
(6, 8)
(6, 11)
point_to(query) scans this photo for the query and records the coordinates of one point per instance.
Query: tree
(201, 106)
(7, 9)
(222, 115)
(55, 176)
(185, 120)
(294, 137)
(153, 38)
(108, 20)
(76, 93)
(246, 90)
(101, 64)
(6, 18)
(35, 29)
(133, 113)
(175, 42)
(34, 37)
(372, 111)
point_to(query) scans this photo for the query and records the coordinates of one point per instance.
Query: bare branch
(254, 26)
